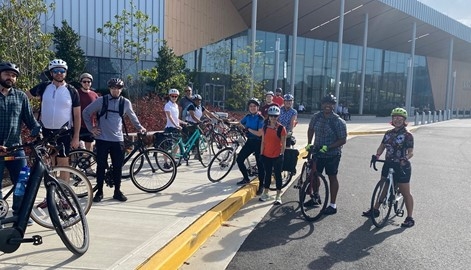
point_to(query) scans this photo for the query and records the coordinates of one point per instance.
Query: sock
(333, 205)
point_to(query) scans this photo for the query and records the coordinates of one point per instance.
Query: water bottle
(22, 180)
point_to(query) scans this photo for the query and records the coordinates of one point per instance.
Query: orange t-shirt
(272, 143)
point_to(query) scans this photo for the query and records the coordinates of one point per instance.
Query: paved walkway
(157, 231)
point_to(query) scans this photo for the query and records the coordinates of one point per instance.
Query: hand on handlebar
(324, 149)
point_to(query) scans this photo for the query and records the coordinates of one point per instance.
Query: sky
(456, 9)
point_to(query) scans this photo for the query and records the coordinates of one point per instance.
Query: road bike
(313, 188)
(63, 206)
(151, 170)
(198, 144)
(386, 196)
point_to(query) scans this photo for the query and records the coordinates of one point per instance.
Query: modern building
(373, 54)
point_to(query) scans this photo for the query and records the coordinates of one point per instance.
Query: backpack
(278, 130)
(105, 110)
(42, 88)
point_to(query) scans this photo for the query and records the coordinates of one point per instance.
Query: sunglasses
(59, 70)
(86, 81)
(273, 116)
(173, 96)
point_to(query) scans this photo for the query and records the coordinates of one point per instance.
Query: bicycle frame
(190, 143)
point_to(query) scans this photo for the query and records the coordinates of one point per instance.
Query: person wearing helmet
(171, 111)
(399, 145)
(87, 96)
(331, 135)
(108, 134)
(289, 115)
(16, 110)
(252, 123)
(60, 104)
(196, 111)
(272, 151)
(268, 103)
(278, 98)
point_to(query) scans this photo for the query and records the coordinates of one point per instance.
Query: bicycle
(64, 209)
(179, 150)
(152, 170)
(313, 188)
(385, 195)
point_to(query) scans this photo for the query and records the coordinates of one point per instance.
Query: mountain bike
(64, 208)
(151, 170)
(385, 196)
(313, 188)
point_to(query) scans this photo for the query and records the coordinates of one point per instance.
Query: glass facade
(316, 61)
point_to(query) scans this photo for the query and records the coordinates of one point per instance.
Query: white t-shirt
(198, 113)
(173, 109)
(56, 107)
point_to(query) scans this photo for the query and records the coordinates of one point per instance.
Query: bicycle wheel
(221, 164)
(380, 198)
(77, 182)
(68, 218)
(173, 148)
(236, 135)
(217, 142)
(205, 153)
(313, 197)
(157, 170)
(285, 179)
(85, 161)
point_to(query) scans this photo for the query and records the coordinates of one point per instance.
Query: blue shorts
(330, 164)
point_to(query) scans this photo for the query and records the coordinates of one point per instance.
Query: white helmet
(57, 63)
(173, 91)
(86, 75)
(274, 110)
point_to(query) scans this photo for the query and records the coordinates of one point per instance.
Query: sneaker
(42, 204)
(98, 197)
(243, 182)
(167, 166)
(264, 197)
(314, 201)
(259, 191)
(330, 211)
(409, 222)
(370, 213)
(118, 195)
(30, 222)
(277, 200)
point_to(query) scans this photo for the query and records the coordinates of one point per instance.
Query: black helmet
(4, 66)
(253, 101)
(329, 99)
(115, 82)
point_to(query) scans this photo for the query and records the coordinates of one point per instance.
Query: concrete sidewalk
(157, 231)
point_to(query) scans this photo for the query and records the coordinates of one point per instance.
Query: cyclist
(87, 96)
(399, 145)
(278, 99)
(331, 134)
(253, 126)
(272, 150)
(109, 136)
(15, 110)
(196, 111)
(172, 112)
(288, 117)
(268, 103)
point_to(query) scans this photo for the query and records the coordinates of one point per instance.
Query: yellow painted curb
(174, 254)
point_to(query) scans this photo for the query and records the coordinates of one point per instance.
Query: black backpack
(105, 110)
(278, 130)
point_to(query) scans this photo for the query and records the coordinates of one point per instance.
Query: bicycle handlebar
(39, 140)
(373, 161)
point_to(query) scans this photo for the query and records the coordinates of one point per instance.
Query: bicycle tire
(68, 218)
(217, 142)
(221, 164)
(173, 148)
(151, 178)
(385, 204)
(84, 161)
(41, 215)
(204, 150)
(314, 212)
(286, 177)
(236, 135)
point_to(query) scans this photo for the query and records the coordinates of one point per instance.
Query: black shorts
(401, 174)
(330, 164)
(86, 135)
(63, 142)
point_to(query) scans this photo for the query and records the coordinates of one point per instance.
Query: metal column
(339, 50)
(277, 63)
(410, 75)
(363, 65)
(449, 80)
(254, 37)
(293, 49)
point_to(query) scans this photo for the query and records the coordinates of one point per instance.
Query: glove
(308, 146)
(324, 149)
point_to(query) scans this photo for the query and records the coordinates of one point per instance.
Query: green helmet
(399, 111)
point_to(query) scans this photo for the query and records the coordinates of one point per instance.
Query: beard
(6, 83)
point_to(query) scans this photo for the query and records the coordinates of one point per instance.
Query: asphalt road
(441, 238)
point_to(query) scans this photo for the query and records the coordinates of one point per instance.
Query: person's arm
(192, 115)
(88, 117)
(262, 145)
(77, 123)
(28, 117)
(293, 122)
(310, 135)
(132, 116)
(380, 150)
(175, 123)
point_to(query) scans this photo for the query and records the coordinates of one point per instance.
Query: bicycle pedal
(37, 240)
(400, 213)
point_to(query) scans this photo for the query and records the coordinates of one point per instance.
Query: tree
(21, 39)
(129, 34)
(66, 41)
